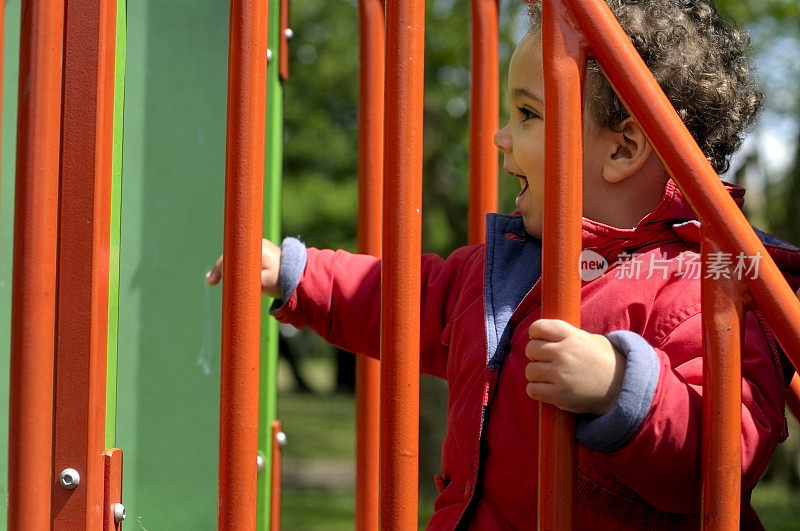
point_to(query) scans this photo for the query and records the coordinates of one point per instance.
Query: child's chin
(532, 228)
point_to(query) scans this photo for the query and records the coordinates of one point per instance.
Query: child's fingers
(268, 284)
(213, 276)
(540, 350)
(550, 329)
(539, 372)
(541, 391)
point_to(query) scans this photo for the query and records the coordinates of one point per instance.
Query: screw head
(69, 478)
(260, 462)
(281, 437)
(269, 55)
(119, 513)
(288, 33)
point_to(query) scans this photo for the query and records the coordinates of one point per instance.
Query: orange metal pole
(83, 241)
(275, 491)
(564, 60)
(284, 37)
(723, 315)
(400, 283)
(241, 293)
(484, 111)
(793, 396)
(688, 166)
(370, 191)
(113, 490)
(34, 266)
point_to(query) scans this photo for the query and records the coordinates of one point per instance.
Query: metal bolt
(119, 512)
(269, 56)
(288, 33)
(281, 437)
(69, 478)
(260, 462)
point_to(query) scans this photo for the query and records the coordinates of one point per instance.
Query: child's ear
(629, 152)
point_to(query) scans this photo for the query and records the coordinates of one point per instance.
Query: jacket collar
(674, 219)
(655, 228)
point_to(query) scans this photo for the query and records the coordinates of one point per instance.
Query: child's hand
(270, 267)
(572, 369)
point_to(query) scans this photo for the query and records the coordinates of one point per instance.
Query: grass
(307, 510)
(318, 510)
(777, 505)
(318, 426)
(320, 429)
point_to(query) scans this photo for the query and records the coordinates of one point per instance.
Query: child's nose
(502, 139)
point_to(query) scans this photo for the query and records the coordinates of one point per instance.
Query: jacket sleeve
(661, 461)
(338, 296)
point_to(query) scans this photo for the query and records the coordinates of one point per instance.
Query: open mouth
(523, 181)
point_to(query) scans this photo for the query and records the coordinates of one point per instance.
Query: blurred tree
(775, 28)
(319, 197)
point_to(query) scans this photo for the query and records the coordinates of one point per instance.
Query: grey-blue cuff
(293, 263)
(611, 431)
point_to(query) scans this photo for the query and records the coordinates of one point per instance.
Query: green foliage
(320, 193)
(318, 426)
(775, 28)
(785, 12)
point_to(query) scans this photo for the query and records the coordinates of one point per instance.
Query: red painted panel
(84, 218)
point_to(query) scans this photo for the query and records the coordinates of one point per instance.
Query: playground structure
(64, 305)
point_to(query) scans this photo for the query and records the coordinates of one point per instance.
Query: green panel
(272, 230)
(116, 206)
(7, 156)
(169, 320)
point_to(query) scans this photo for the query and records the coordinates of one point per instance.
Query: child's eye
(527, 113)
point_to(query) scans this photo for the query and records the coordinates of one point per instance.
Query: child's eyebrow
(526, 93)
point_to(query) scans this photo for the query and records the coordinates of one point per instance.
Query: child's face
(522, 139)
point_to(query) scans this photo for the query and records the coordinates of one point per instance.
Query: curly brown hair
(701, 63)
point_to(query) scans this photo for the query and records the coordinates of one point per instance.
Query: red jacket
(476, 309)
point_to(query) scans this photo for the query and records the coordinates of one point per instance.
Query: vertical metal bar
(564, 61)
(273, 162)
(723, 316)
(400, 282)
(34, 266)
(112, 460)
(370, 191)
(283, 40)
(241, 293)
(275, 487)
(688, 166)
(116, 227)
(83, 261)
(484, 111)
